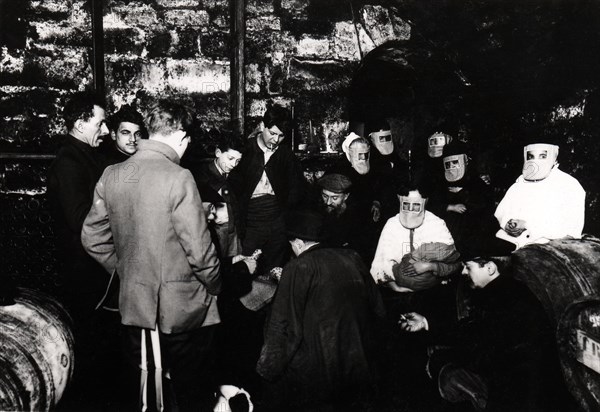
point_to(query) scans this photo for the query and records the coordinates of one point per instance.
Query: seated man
(387, 165)
(415, 251)
(544, 203)
(497, 355)
(126, 130)
(341, 220)
(465, 202)
(319, 339)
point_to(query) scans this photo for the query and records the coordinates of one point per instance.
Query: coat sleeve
(96, 235)
(191, 227)
(72, 191)
(284, 330)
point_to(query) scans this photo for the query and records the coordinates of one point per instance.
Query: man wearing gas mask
(366, 188)
(387, 165)
(544, 203)
(465, 202)
(415, 251)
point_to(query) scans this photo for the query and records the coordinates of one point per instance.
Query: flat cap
(335, 182)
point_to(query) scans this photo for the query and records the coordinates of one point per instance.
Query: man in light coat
(147, 222)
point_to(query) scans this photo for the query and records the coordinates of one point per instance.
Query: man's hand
(515, 227)
(376, 211)
(422, 267)
(407, 268)
(412, 322)
(457, 208)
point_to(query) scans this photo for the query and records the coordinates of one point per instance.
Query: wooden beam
(98, 49)
(237, 74)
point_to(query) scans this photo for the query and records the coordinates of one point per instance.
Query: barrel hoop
(36, 363)
(13, 385)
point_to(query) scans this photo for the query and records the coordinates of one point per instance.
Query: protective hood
(436, 143)
(358, 155)
(382, 140)
(538, 160)
(412, 209)
(455, 167)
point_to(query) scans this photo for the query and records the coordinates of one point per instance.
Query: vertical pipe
(98, 49)
(237, 75)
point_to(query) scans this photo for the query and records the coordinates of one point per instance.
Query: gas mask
(455, 167)
(359, 157)
(412, 209)
(357, 153)
(539, 159)
(382, 140)
(436, 143)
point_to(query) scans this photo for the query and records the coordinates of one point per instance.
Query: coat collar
(159, 147)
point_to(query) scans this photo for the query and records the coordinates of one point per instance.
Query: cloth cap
(335, 182)
(305, 225)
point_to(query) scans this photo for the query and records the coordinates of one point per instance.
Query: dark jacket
(72, 177)
(283, 170)
(318, 340)
(473, 228)
(206, 174)
(148, 223)
(505, 337)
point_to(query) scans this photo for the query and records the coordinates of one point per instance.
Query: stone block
(253, 78)
(153, 76)
(11, 64)
(311, 47)
(256, 108)
(295, 6)
(220, 20)
(59, 33)
(215, 4)
(136, 14)
(124, 41)
(382, 26)
(50, 6)
(80, 14)
(259, 7)
(345, 44)
(317, 76)
(178, 3)
(211, 109)
(263, 23)
(188, 18)
(194, 76)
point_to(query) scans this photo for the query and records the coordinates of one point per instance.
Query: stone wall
(297, 54)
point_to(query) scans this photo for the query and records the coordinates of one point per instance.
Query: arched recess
(416, 88)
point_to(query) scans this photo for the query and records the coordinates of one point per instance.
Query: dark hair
(403, 188)
(227, 142)
(279, 116)
(166, 117)
(501, 262)
(80, 106)
(126, 114)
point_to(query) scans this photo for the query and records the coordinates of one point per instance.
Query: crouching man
(499, 355)
(318, 346)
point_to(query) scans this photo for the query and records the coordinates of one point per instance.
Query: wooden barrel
(36, 352)
(578, 339)
(559, 272)
(565, 276)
